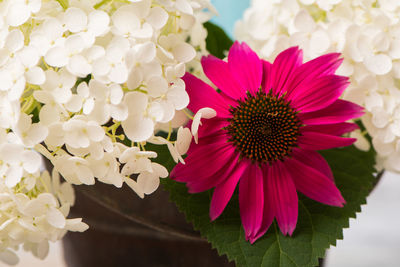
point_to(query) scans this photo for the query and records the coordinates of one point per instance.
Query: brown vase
(128, 231)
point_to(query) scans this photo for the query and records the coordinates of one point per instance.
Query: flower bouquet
(267, 145)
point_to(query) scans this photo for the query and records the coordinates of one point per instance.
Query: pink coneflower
(271, 119)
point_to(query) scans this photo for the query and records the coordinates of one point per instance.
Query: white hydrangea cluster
(87, 84)
(33, 204)
(366, 32)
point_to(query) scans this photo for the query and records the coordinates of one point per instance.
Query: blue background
(229, 12)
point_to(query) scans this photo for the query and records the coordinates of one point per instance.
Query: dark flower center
(263, 127)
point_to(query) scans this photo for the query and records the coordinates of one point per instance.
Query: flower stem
(63, 3)
(98, 5)
(42, 150)
(187, 114)
(169, 131)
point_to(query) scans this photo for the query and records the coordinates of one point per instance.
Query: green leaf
(217, 42)
(318, 226)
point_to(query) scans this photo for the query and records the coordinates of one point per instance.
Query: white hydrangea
(87, 84)
(33, 205)
(367, 33)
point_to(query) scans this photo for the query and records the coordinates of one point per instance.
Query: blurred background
(372, 240)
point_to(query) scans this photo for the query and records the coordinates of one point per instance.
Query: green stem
(42, 150)
(63, 3)
(169, 131)
(96, 6)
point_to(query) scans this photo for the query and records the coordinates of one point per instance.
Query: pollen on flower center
(263, 127)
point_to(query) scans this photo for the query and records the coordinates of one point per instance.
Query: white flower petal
(187, 21)
(135, 78)
(134, 186)
(24, 122)
(394, 50)
(75, 19)
(13, 152)
(13, 176)
(169, 111)
(35, 75)
(304, 22)
(74, 104)
(137, 128)
(379, 64)
(179, 97)
(55, 218)
(31, 160)
(17, 89)
(15, 40)
(158, 17)
(124, 21)
(57, 57)
(67, 193)
(382, 148)
(79, 66)
(5, 80)
(98, 22)
(119, 112)
(118, 74)
(148, 182)
(100, 67)
(157, 86)
(116, 94)
(18, 13)
(380, 118)
(37, 134)
(35, 5)
(136, 102)
(99, 113)
(184, 6)
(319, 42)
(184, 52)
(206, 113)
(49, 114)
(155, 111)
(183, 140)
(76, 225)
(86, 175)
(95, 131)
(145, 52)
(9, 257)
(42, 249)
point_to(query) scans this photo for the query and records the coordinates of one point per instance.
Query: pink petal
(245, 66)
(282, 193)
(213, 156)
(311, 70)
(223, 192)
(266, 83)
(313, 159)
(320, 141)
(206, 183)
(338, 111)
(319, 93)
(314, 184)
(202, 95)
(269, 210)
(284, 67)
(210, 128)
(251, 200)
(219, 73)
(332, 129)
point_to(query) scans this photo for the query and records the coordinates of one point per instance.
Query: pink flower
(271, 119)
